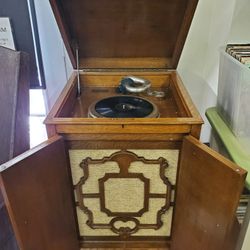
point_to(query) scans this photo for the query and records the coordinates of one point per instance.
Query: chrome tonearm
(133, 84)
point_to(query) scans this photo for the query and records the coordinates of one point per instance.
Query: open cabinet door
(36, 189)
(209, 188)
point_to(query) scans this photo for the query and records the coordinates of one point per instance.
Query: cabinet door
(36, 189)
(208, 192)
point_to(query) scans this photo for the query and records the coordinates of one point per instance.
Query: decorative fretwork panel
(124, 193)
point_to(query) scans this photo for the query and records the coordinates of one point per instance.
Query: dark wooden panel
(1, 200)
(123, 144)
(126, 29)
(122, 247)
(208, 192)
(138, 243)
(14, 134)
(18, 12)
(36, 188)
(14, 103)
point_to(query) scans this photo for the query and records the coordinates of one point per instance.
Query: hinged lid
(124, 33)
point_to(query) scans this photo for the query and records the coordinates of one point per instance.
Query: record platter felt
(123, 106)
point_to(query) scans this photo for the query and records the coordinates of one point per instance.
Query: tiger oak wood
(117, 38)
(177, 112)
(203, 219)
(124, 34)
(37, 194)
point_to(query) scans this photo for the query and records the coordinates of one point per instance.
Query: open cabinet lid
(209, 188)
(124, 33)
(36, 189)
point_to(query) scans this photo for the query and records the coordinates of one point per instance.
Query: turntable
(123, 106)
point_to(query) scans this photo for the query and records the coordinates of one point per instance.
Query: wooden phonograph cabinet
(122, 169)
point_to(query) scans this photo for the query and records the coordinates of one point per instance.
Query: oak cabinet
(123, 182)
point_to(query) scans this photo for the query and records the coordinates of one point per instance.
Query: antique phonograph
(124, 114)
(123, 166)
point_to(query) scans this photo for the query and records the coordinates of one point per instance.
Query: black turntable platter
(123, 107)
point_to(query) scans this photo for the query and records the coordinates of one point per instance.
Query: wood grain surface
(125, 34)
(36, 189)
(14, 122)
(208, 191)
(14, 103)
(124, 248)
(178, 114)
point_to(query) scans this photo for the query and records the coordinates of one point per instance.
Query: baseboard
(105, 242)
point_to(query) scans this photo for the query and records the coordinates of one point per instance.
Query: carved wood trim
(124, 159)
(124, 232)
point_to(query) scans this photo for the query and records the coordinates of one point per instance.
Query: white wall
(57, 66)
(199, 62)
(244, 238)
(246, 243)
(240, 30)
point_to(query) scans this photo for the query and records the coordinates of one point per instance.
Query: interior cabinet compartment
(96, 86)
(178, 114)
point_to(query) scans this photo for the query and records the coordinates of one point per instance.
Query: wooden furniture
(235, 150)
(229, 145)
(14, 123)
(123, 182)
(14, 103)
(204, 208)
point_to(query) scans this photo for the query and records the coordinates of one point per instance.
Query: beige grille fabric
(119, 189)
(124, 195)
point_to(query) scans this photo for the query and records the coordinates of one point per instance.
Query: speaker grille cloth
(124, 195)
